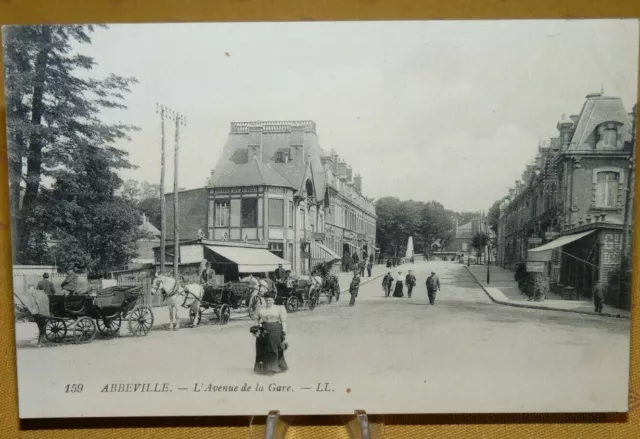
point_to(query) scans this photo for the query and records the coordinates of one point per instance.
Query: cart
(222, 299)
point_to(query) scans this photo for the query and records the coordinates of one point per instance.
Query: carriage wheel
(292, 304)
(313, 300)
(109, 326)
(55, 330)
(254, 304)
(84, 330)
(224, 314)
(195, 318)
(140, 320)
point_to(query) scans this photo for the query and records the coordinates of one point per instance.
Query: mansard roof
(596, 110)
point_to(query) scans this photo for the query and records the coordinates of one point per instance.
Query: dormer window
(283, 156)
(607, 135)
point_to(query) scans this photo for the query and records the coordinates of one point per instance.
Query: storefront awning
(322, 253)
(250, 260)
(352, 245)
(563, 240)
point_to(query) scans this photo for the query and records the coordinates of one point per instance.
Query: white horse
(258, 288)
(177, 296)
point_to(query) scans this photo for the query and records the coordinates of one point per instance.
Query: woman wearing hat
(398, 292)
(270, 333)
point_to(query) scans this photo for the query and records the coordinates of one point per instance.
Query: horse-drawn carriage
(222, 299)
(297, 292)
(86, 314)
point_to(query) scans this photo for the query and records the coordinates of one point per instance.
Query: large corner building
(275, 186)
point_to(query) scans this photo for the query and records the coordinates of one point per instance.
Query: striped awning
(320, 252)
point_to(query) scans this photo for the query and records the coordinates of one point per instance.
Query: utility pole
(164, 113)
(180, 120)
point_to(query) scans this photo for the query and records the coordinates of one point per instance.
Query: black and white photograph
(219, 219)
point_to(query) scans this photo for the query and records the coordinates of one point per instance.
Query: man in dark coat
(598, 297)
(70, 284)
(433, 285)
(411, 282)
(387, 282)
(46, 285)
(369, 267)
(353, 288)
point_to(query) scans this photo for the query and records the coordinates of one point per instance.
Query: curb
(368, 279)
(548, 308)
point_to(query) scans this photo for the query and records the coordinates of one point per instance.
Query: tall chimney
(255, 142)
(342, 169)
(334, 161)
(349, 173)
(297, 143)
(357, 182)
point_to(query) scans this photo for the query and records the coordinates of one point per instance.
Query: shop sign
(362, 237)
(535, 267)
(535, 240)
(318, 236)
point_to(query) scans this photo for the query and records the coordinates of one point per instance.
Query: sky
(446, 111)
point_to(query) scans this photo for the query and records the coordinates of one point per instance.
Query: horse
(321, 278)
(177, 295)
(257, 287)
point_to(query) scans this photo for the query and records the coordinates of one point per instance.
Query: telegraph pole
(164, 112)
(180, 121)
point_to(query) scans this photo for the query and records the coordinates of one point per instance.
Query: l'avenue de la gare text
(205, 387)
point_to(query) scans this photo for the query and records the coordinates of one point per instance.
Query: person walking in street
(398, 291)
(411, 282)
(598, 296)
(353, 288)
(70, 284)
(433, 285)
(369, 267)
(270, 332)
(46, 285)
(387, 283)
(362, 266)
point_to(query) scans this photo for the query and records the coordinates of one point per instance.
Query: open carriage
(222, 299)
(86, 315)
(296, 293)
(326, 283)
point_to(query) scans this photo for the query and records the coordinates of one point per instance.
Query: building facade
(273, 184)
(567, 214)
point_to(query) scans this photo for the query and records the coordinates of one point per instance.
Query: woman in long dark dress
(399, 285)
(270, 337)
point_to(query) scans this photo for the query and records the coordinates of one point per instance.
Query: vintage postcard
(317, 218)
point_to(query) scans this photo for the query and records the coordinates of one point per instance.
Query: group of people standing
(397, 285)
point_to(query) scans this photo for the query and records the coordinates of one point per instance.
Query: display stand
(273, 426)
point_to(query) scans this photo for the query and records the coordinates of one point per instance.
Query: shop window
(607, 185)
(276, 212)
(222, 214)
(249, 212)
(235, 213)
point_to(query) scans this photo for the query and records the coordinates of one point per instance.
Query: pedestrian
(363, 264)
(270, 332)
(353, 288)
(46, 285)
(70, 284)
(398, 290)
(411, 282)
(369, 267)
(387, 282)
(433, 285)
(598, 296)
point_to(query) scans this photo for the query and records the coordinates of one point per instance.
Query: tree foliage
(55, 130)
(146, 197)
(398, 220)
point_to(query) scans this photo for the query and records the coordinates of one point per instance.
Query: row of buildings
(274, 188)
(570, 213)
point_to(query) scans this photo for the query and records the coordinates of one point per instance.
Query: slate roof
(236, 168)
(596, 110)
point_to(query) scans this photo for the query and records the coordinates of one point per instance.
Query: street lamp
(488, 260)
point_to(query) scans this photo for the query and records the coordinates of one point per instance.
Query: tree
(146, 197)
(493, 215)
(479, 241)
(53, 114)
(97, 228)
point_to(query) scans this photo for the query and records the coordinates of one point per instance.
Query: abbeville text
(136, 388)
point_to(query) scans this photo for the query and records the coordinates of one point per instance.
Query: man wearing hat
(208, 276)
(433, 285)
(70, 284)
(353, 288)
(46, 285)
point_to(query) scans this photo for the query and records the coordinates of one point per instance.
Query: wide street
(468, 353)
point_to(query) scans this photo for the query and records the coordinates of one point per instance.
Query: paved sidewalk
(503, 289)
